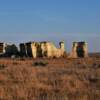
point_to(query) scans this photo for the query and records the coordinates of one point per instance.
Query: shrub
(40, 63)
(43, 63)
(22, 59)
(15, 63)
(96, 65)
(2, 66)
(93, 79)
(99, 66)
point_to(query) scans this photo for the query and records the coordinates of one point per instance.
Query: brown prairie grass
(60, 79)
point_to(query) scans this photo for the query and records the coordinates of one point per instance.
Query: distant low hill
(97, 54)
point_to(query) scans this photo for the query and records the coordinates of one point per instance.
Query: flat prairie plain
(50, 79)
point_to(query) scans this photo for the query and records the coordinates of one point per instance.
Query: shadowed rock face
(28, 49)
(79, 49)
(22, 50)
(7, 50)
(1, 47)
(11, 50)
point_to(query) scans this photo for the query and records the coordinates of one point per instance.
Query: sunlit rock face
(42, 49)
(49, 50)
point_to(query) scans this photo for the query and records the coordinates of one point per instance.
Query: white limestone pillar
(34, 50)
(85, 47)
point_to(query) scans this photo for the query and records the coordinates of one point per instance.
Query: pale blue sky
(51, 20)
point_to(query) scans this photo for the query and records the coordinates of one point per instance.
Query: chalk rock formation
(42, 49)
(79, 49)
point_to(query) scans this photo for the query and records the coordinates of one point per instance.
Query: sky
(51, 20)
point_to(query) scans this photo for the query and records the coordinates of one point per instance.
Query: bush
(99, 66)
(2, 66)
(40, 63)
(22, 59)
(93, 79)
(95, 65)
(15, 63)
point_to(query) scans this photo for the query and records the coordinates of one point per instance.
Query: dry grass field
(50, 79)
